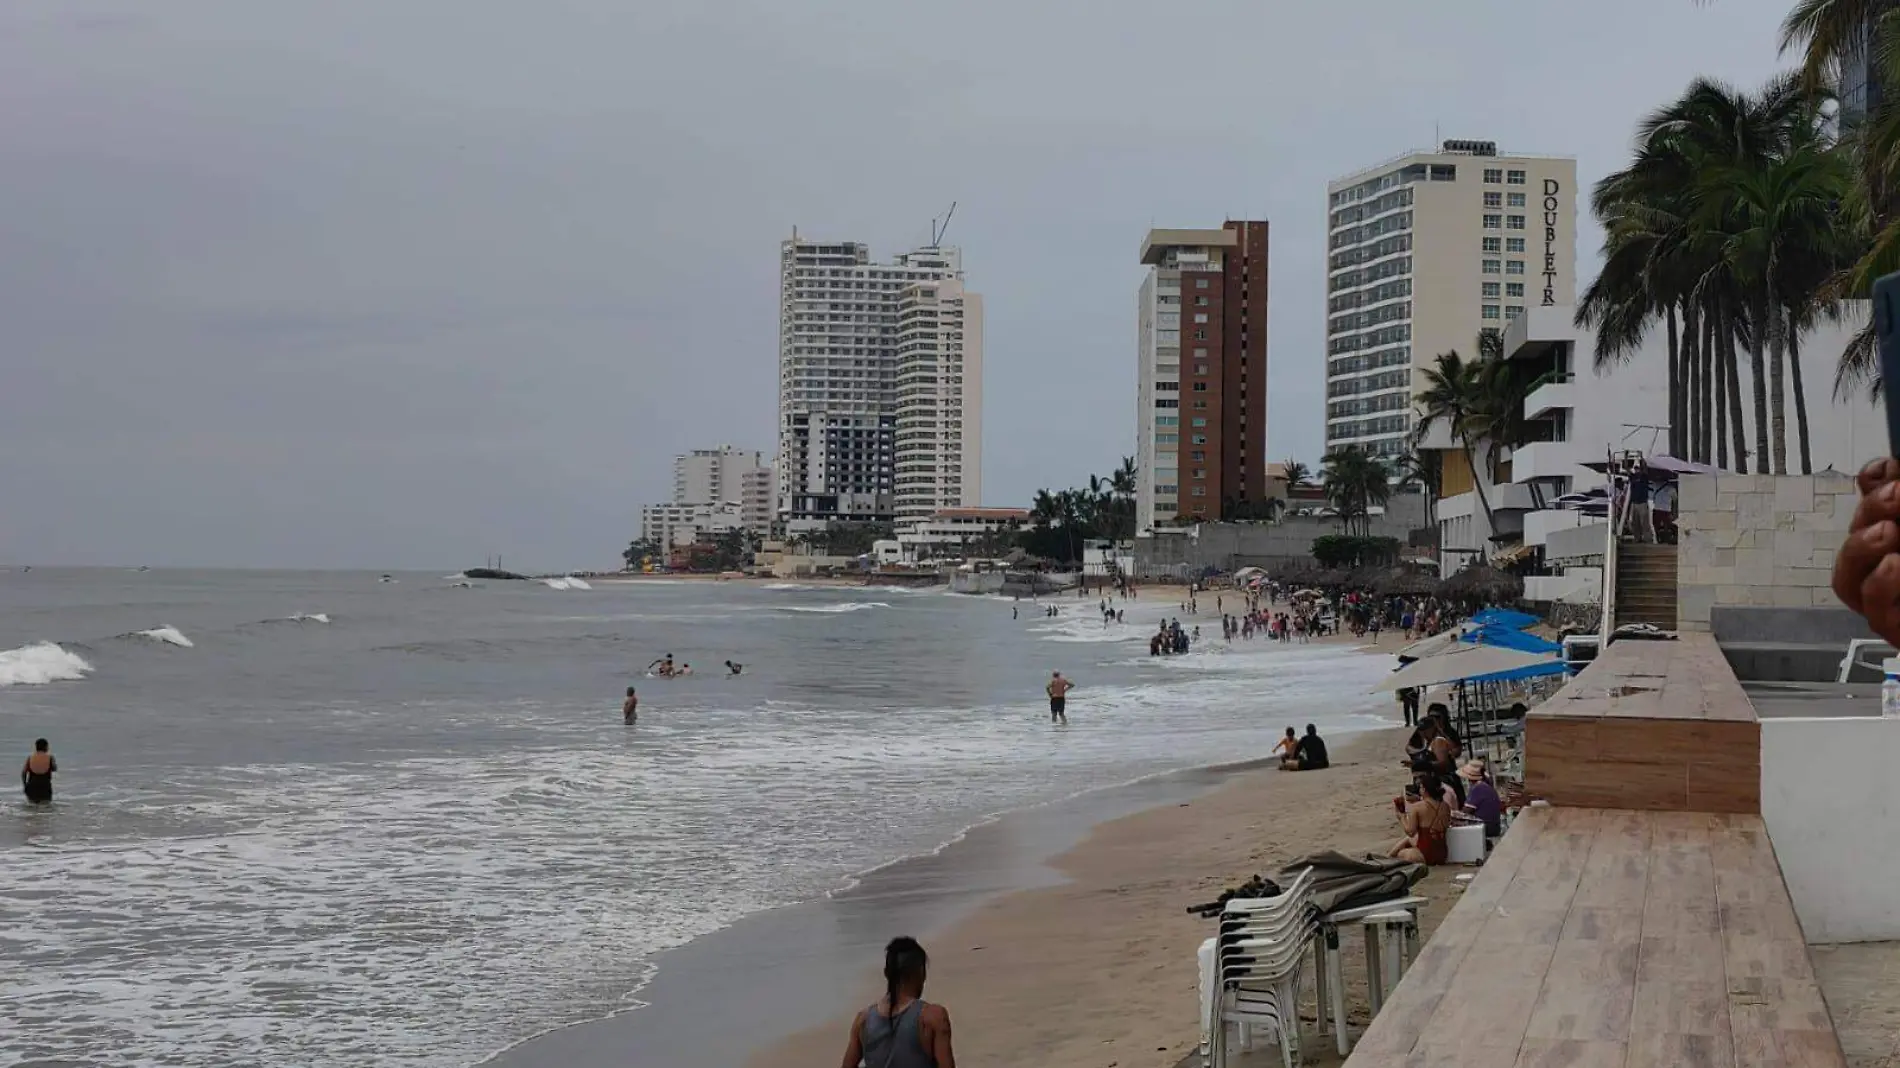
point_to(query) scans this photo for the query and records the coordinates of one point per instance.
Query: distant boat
(385, 578)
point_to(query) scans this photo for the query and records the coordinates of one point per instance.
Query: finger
(1861, 554)
(1882, 502)
(1880, 598)
(1877, 473)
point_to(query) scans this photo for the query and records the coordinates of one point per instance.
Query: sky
(388, 285)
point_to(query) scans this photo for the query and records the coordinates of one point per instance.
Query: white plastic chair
(1258, 984)
(1250, 972)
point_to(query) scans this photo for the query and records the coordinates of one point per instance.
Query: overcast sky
(354, 284)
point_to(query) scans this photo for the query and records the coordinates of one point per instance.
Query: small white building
(682, 524)
(948, 531)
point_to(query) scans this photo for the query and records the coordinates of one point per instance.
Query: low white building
(1581, 414)
(948, 531)
(682, 524)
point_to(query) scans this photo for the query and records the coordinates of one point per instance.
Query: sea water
(320, 819)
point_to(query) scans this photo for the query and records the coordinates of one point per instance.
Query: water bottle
(1890, 688)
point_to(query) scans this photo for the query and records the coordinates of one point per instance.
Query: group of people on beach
(1443, 785)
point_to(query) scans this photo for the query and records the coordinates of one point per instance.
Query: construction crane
(937, 231)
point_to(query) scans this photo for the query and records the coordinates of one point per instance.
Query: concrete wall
(1758, 540)
(1828, 801)
(1236, 545)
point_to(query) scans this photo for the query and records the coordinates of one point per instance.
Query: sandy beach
(1099, 972)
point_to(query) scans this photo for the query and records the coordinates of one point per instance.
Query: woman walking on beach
(901, 1030)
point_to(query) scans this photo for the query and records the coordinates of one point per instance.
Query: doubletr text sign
(1551, 187)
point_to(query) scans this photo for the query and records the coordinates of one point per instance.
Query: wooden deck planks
(1614, 938)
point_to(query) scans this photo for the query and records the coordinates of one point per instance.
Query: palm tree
(1296, 473)
(1122, 483)
(1454, 395)
(1425, 470)
(1355, 480)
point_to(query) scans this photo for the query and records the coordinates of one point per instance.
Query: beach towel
(1343, 882)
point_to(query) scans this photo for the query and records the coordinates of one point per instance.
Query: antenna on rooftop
(937, 230)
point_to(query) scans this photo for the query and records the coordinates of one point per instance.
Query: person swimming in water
(36, 775)
(734, 669)
(630, 710)
(665, 668)
(685, 670)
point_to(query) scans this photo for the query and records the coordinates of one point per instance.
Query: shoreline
(793, 964)
(1099, 967)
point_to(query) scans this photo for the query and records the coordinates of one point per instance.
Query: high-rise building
(1861, 87)
(1201, 351)
(1425, 252)
(713, 475)
(839, 365)
(939, 398)
(757, 497)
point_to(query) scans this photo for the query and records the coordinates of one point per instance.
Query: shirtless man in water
(1058, 690)
(630, 710)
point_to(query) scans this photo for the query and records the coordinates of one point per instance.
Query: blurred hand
(1867, 569)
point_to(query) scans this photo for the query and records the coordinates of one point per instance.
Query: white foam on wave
(457, 577)
(39, 664)
(833, 609)
(790, 586)
(577, 583)
(309, 617)
(168, 634)
(555, 583)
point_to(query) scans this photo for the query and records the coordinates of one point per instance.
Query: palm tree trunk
(1677, 380)
(1683, 417)
(1777, 372)
(1477, 486)
(1800, 399)
(1758, 363)
(1714, 422)
(1734, 387)
(1707, 386)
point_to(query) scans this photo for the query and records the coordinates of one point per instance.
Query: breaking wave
(170, 635)
(39, 664)
(831, 609)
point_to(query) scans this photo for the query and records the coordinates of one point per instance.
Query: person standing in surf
(630, 709)
(901, 1030)
(36, 775)
(1058, 690)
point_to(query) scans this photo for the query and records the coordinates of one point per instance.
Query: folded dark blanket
(1343, 882)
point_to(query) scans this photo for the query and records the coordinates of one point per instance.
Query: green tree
(1355, 480)
(1423, 470)
(642, 549)
(1296, 473)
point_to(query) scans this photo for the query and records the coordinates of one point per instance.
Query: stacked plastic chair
(1250, 972)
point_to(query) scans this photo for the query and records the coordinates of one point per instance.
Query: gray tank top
(895, 1043)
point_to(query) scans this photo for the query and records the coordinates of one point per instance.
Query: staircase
(1646, 585)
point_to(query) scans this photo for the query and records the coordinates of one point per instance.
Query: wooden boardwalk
(1601, 938)
(1650, 725)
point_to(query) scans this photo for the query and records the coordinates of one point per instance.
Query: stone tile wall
(1762, 540)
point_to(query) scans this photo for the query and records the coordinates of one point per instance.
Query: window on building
(1197, 456)
(1493, 244)
(1200, 317)
(1200, 368)
(1514, 222)
(1200, 354)
(1493, 222)
(1167, 439)
(1494, 200)
(1168, 387)
(1514, 289)
(1491, 290)
(1201, 404)
(1202, 301)
(1200, 387)
(1513, 244)
(1200, 283)
(1513, 311)
(1517, 200)
(1515, 178)
(1198, 491)
(1514, 267)
(1198, 421)
(1200, 335)
(1490, 266)
(1493, 175)
(1198, 439)
(1167, 420)
(1490, 311)
(1167, 402)
(1200, 472)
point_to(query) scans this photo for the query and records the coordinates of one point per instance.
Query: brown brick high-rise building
(1201, 430)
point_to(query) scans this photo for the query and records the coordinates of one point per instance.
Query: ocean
(325, 819)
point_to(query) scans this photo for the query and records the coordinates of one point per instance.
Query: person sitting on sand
(901, 1030)
(1287, 749)
(1311, 751)
(630, 708)
(1425, 820)
(1481, 799)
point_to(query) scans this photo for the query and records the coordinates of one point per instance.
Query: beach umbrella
(1468, 663)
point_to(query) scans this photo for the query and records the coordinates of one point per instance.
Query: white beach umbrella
(1466, 661)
